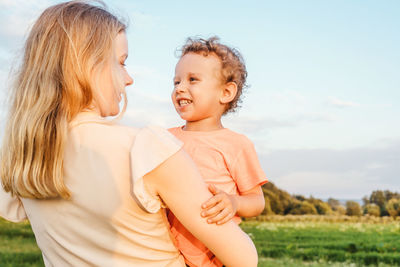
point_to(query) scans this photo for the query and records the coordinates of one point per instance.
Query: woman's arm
(181, 187)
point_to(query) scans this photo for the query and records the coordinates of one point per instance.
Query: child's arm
(222, 207)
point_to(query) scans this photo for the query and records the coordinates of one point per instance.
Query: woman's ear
(229, 92)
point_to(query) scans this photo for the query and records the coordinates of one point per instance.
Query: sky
(324, 81)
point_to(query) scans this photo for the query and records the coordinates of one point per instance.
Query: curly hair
(233, 67)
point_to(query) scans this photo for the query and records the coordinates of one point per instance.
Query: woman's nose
(128, 80)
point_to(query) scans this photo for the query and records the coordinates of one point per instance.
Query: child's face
(198, 87)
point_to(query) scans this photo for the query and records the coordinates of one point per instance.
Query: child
(209, 79)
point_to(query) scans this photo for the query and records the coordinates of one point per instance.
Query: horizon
(321, 108)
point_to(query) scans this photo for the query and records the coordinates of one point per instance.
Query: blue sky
(324, 81)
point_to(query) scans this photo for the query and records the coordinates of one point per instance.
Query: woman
(95, 191)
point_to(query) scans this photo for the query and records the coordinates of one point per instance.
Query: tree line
(379, 203)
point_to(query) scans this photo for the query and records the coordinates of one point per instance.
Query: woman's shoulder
(89, 127)
(104, 129)
(11, 208)
(155, 140)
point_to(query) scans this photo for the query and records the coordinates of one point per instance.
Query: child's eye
(176, 83)
(192, 79)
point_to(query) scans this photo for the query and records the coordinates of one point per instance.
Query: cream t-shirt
(111, 220)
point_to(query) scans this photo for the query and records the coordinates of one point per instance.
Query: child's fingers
(214, 190)
(211, 202)
(226, 219)
(218, 217)
(213, 210)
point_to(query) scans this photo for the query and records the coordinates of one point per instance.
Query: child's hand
(220, 208)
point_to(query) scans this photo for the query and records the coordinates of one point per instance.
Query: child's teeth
(184, 102)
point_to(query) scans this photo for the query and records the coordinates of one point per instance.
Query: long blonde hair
(68, 44)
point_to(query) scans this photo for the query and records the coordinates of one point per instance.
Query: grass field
(18, 246)
(283, 243)
(326, 243)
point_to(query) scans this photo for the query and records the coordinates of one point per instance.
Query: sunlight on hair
(68, 43)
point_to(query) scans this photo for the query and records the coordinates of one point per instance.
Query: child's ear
(229, 92)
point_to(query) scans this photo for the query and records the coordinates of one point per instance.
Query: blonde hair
(67, 44)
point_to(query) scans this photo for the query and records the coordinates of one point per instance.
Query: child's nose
(180, 88)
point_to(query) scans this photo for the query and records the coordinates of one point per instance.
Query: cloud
(144, 73)
(137, 19)
(151, 90)
(141, 20)
(281, 109)
(146, 109)
(290, 96)
(350, 173)
(342, 103)
(252, 125)
(346, 185)
(17, 16)
(4, 83)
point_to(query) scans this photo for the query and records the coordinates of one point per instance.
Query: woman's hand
(220, 208)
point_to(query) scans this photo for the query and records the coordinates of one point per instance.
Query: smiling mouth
(184, 102)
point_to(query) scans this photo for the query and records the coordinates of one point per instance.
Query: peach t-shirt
(229, 161)
(110, 220)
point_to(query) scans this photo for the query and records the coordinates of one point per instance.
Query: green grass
(286, 244)
(288, 262)
(324, 243)
(18, 246)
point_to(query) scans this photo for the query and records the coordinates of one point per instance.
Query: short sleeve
(151, 147)
(246, 170)
(11, 207)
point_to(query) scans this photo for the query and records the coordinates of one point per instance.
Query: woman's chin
(114, 112)
(110, 112)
